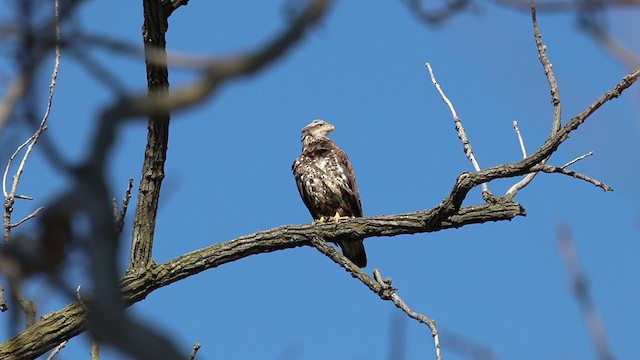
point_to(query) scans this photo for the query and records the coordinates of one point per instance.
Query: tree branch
(71, 320)
(155, 153)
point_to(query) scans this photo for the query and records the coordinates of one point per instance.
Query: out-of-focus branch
(580, 287)
(587, 12)
(70, 321)
(437, 15)
(106, 317)
(466, 348)
(95, 349)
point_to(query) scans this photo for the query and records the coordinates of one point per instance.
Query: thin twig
(520, 140)
(57, 350)
(462, 134)
(79, 298)
(28, 217)
(381, 287)
(196, 347)
(560, 170)
(576, 160)
(3, 301)
(580, 287)
(400, 304)
(8, 167)
(555, 97)
(11, 196)
(122, 213)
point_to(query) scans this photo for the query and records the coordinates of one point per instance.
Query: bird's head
(317, 129)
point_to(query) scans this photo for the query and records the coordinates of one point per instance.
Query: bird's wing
(298, 169)
(351, 193)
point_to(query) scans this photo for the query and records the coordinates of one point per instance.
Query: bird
(327, 184)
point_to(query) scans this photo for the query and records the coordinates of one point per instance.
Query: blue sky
(501, 285)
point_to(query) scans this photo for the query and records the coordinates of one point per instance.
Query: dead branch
(462, 133)
(70, 321)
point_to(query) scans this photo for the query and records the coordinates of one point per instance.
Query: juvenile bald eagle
(327, 184)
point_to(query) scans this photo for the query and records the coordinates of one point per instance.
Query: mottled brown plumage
(327, 183)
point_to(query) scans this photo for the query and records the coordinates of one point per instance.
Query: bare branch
(169, 6)
(57, 350)
(462, 134)
(27, 306)
(554, 169)
(70, 321)
(381, 287)
(582, 157)
(30, 143)
(8, 167)
(580, 288)
(555, 97)
(3, 301)
(400, 304)
(520, 140)
(95, 349)
(155, 153)
(120, 215)
(196, 347)
(28, 217)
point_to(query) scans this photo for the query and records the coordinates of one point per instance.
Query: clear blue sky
(502, 285)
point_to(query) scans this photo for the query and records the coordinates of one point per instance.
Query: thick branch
(70, 321)
(155, 153)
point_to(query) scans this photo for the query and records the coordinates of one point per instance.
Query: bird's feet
(337, 217)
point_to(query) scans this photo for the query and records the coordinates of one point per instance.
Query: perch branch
(71, 320)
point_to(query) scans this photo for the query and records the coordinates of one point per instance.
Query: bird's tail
(354, 251)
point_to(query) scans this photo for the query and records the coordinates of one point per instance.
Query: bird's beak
(330, 128)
